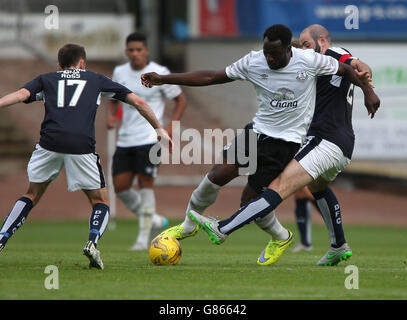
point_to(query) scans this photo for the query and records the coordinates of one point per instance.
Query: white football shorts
(321, 158)
(83, 171)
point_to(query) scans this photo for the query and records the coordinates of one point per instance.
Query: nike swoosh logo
(262, 259)
(330, 256)
(207, 224)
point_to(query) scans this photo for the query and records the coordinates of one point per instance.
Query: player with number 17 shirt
(71, 97)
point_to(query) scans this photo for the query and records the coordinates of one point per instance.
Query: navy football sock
(98, 222)
(15, 218)
(257, 208)
(331, 213)
(303, 219)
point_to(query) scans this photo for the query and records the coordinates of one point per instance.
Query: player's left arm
(180, 105)
(372, 101)
(149, 115)
(120, 92)
(16, 97)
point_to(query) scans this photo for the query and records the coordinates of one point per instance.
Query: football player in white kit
(285, 82)
(136, 137)
(325, 152)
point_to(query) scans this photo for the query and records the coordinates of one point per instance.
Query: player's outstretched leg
(202, 197)
(331, 213)
(210, 225)
(19, 213)
(97, 225)
(15, 219)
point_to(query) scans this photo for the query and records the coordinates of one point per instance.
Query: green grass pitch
(206, 271)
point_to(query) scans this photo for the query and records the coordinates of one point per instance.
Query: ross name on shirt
(71, 73)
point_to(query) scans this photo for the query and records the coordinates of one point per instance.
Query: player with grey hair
(318, 38)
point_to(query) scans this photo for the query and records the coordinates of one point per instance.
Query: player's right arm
(15, 97)
(120, 92)
(236, 71)
(193, 78)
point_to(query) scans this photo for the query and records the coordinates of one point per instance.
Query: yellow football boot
(176, 232)
(274, 250)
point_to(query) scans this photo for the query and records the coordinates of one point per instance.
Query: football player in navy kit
(285, 82)
(71, 97)
(332, 121)
(325, 152)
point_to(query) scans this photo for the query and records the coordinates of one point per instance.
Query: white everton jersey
(286, 97)
(135, 130)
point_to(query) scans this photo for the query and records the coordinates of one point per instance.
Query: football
(165, 250)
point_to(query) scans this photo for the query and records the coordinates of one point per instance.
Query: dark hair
(137, 36)
(278, 32)
(70, 54)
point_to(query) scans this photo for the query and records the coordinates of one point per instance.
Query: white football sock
(131, 199)
(202, 197)
(146, 213)
(158, 220)
(271, 225)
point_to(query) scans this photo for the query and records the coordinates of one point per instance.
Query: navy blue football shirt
(71, 98)
(332, 119)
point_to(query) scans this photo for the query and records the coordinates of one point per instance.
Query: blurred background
(187, 35)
